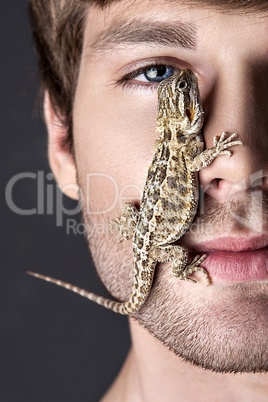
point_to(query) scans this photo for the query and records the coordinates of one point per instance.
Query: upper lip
(233, 244)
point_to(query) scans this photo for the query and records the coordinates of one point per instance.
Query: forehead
(163, 21)
(114, 11)
(239, 5)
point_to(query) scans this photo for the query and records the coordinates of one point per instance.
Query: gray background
(54, 346)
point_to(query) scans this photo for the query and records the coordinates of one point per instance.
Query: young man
(102, 62)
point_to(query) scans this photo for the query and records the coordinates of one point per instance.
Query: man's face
(128, 48)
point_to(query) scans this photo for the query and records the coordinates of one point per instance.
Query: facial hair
(220, 328)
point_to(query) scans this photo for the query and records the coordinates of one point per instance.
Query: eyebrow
(165, 33)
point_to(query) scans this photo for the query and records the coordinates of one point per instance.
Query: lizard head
(180, 109)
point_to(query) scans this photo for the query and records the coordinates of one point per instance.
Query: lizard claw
(194, 266)
(224, 142)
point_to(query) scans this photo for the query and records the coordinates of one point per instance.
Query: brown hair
(58, 32)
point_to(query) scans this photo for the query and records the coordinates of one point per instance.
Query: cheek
(114, 134)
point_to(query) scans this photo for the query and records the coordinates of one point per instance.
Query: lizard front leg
(181, 268)
(221, 147)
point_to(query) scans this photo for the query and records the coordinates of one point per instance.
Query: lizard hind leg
(170, 253)
(175, 254)
(181, 268)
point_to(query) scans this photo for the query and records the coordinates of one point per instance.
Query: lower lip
(242, 266)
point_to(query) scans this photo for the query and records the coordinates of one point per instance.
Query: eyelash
(125, 81)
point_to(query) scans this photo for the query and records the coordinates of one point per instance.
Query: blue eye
(155, 73)
(147, 76)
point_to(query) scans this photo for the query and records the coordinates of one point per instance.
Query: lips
(236, 259)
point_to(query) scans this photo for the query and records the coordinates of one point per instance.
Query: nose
(237, 103)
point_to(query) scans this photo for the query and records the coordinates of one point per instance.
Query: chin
(222, 329)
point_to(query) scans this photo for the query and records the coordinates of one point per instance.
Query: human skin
(222, 328)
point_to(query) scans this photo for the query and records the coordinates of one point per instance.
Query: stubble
(220, 328)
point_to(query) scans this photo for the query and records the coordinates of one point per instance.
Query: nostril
(215, 183)
(212, 189)
(223, 190)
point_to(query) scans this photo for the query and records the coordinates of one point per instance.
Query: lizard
(170, 195)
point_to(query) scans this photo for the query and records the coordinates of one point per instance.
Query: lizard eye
(182, 85)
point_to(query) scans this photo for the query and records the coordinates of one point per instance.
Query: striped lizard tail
(132, 305)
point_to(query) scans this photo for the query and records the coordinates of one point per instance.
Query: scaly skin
(170, 195)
